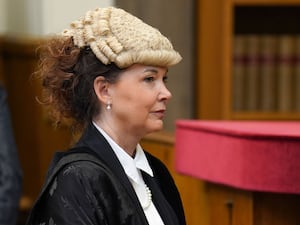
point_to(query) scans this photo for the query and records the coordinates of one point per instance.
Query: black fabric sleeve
(83, 193)
(72, 197)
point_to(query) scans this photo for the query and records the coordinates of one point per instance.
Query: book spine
(285, 72)
(252, 72)
(238, 84)
(268, 57)
(296, 82)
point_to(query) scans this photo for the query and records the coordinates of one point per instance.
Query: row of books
(266, 72)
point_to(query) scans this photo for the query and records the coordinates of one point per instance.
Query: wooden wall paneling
(228, 206)
(265, 2)
(226, 54)
(209, 81)
(35, 136)
(19, 64)
(276, 209)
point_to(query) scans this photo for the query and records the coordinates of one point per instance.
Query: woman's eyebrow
(153, 70)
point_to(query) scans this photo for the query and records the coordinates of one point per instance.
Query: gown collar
(132, 166)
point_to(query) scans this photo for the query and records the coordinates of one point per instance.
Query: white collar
(129, 164)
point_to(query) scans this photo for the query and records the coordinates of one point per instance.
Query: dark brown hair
(67, 74)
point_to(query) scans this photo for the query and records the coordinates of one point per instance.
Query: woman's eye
(149, 79)
(165, 79)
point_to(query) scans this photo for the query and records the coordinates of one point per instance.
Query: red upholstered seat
(250, 155)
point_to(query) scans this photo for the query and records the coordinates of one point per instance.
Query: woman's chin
(157, 127)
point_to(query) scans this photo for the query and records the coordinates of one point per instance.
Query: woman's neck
(123, 138)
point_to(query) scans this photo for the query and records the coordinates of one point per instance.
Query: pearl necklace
(149, 198)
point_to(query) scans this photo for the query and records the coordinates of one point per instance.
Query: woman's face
(139, 99)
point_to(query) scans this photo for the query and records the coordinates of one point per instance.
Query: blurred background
(241, 61)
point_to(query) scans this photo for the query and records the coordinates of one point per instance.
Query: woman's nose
(165, 93)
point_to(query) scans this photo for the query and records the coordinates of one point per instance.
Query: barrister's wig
(115, 36)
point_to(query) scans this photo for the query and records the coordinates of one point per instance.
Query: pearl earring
(108, 106)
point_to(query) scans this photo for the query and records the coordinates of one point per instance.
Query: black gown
(87, 185)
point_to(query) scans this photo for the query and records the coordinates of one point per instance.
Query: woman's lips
(159, 113)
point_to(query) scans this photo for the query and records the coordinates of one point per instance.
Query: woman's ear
(101, 89)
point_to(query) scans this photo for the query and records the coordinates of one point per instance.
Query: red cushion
(251, 155)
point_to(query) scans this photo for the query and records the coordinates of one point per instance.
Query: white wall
(59, 13)
(41, 17)
(2, 16)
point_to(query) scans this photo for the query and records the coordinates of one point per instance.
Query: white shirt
(133, 167)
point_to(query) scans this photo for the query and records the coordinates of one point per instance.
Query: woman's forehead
(146, 68)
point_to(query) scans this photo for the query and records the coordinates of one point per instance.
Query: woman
(107, 74)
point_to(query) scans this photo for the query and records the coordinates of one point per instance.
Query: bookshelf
(220, 24)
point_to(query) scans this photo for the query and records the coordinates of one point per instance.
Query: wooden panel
(209, 60)
(229, 206)
(32, 130)
(276, 209)
(226, 61)
(19, 64)
(266, 2)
